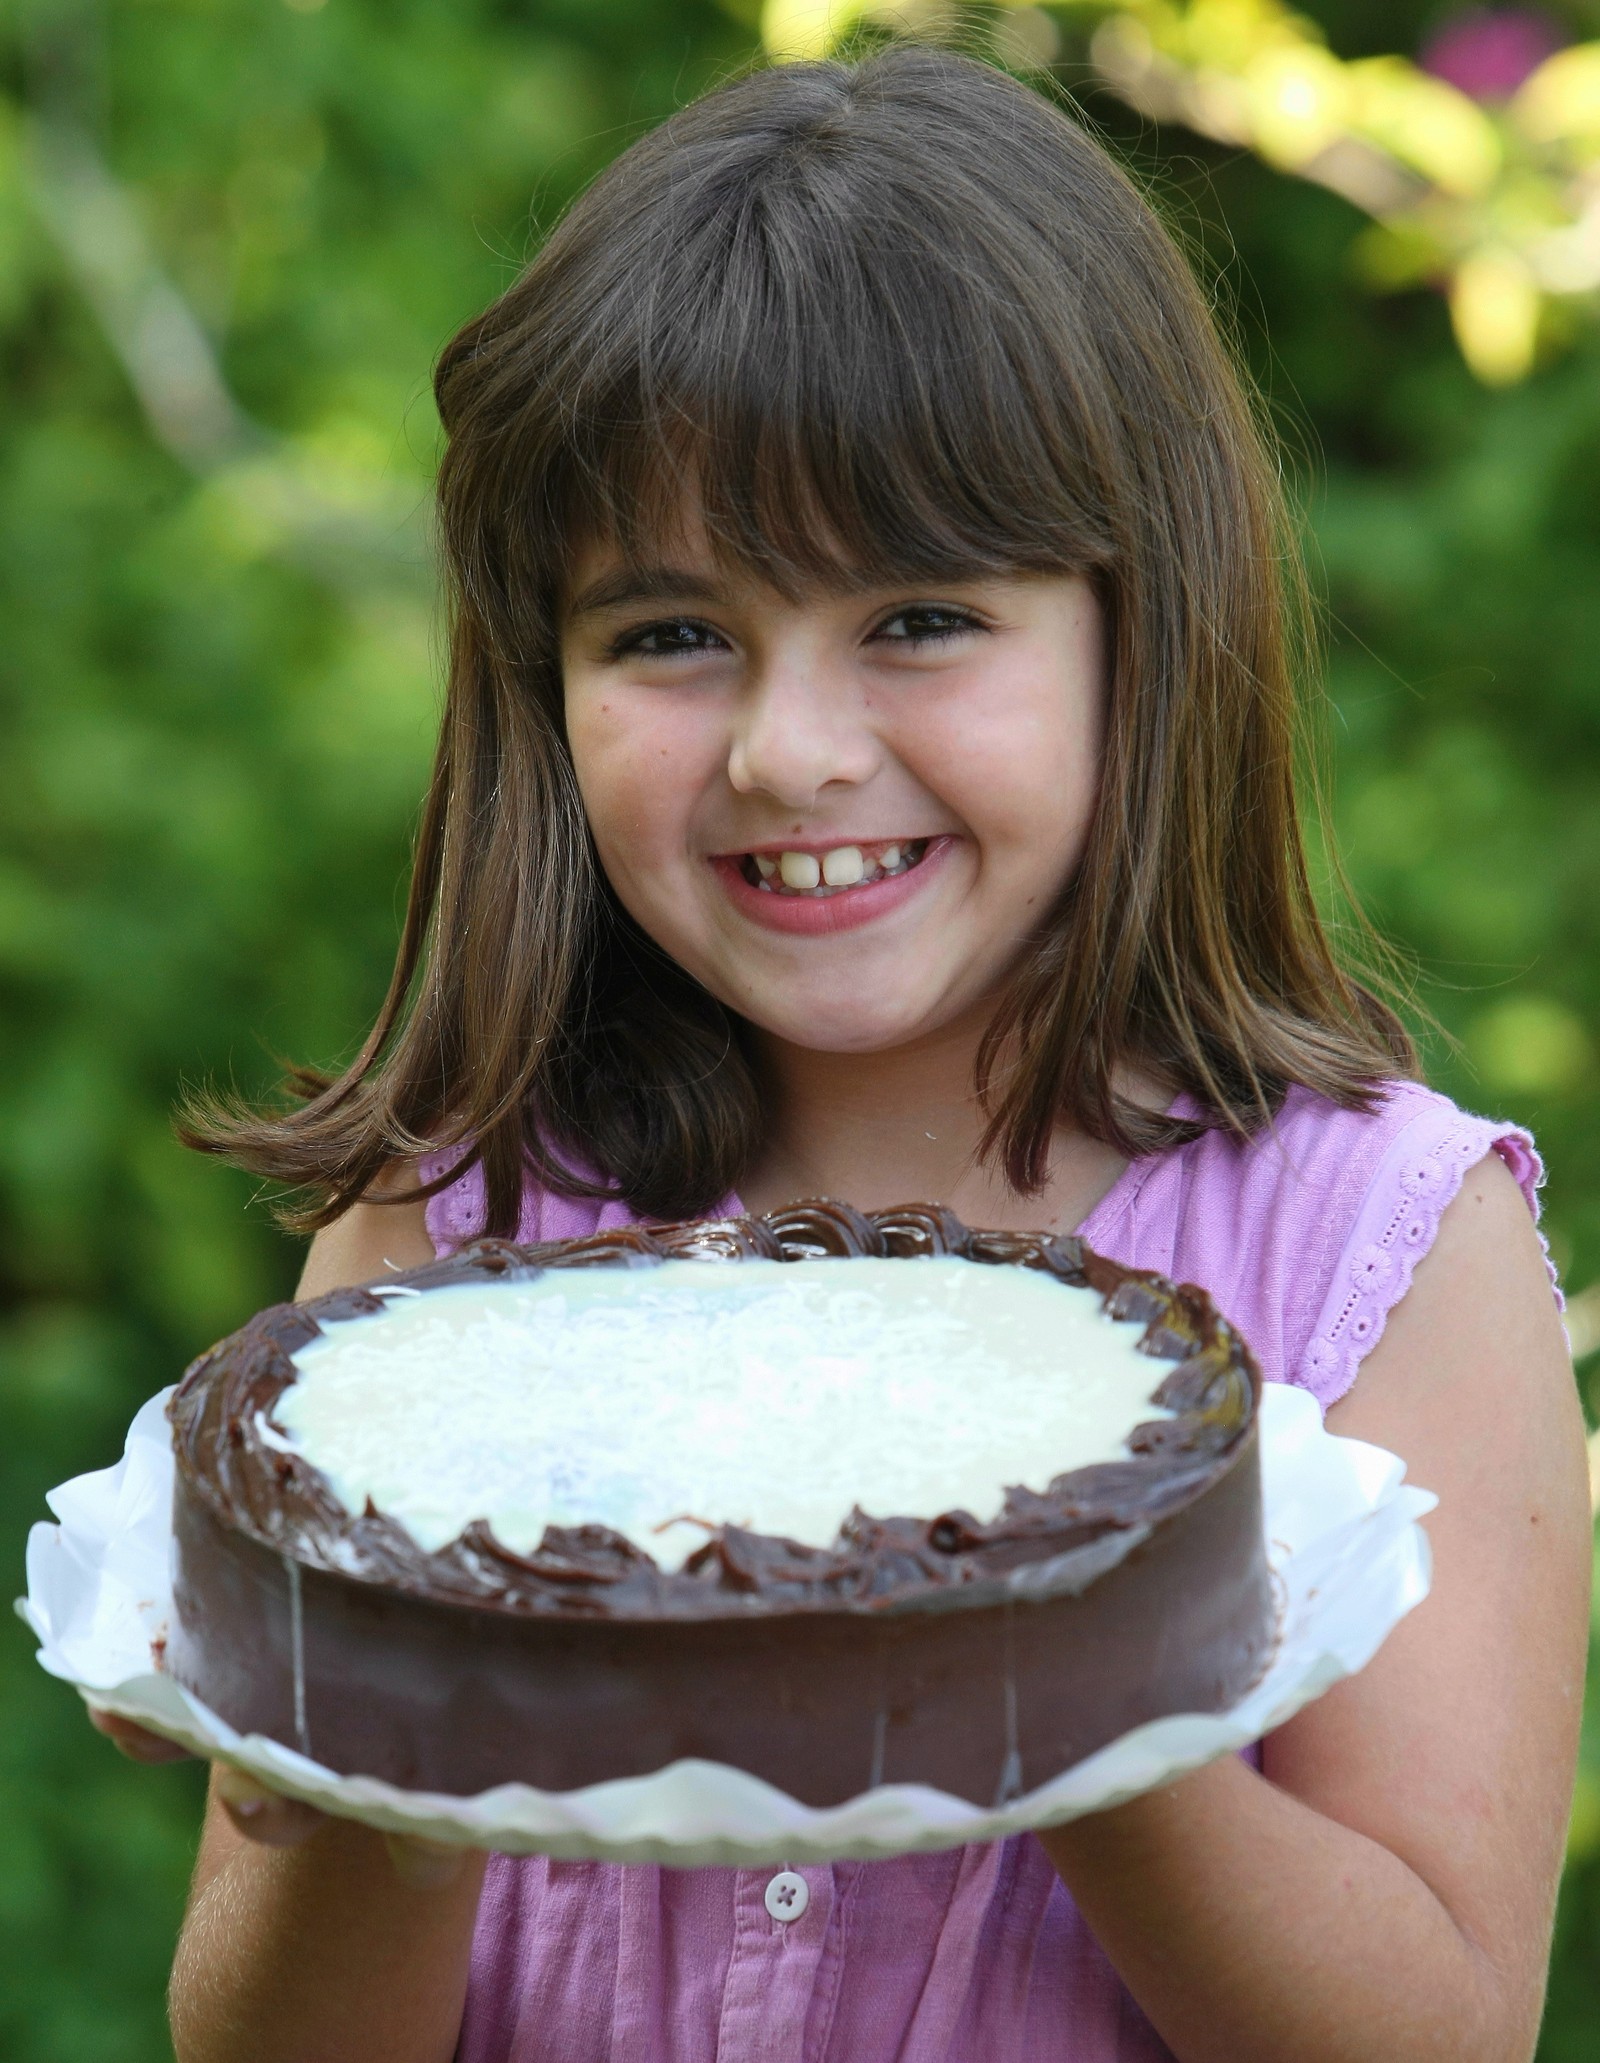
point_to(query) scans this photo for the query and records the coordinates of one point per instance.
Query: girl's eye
(672, 637)
(926, 623)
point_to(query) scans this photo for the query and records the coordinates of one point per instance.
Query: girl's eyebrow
(628, 584)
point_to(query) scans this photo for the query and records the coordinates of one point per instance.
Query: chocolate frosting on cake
(1145, 1580)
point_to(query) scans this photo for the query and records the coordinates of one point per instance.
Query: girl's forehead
(677, 546)
(681, 563)
(604, 577)
(681, 558)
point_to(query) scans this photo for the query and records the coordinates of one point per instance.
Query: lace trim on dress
(1396, 1225)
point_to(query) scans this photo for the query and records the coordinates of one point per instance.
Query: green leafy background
(218, 678)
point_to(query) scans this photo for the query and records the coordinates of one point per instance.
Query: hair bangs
(799, 374)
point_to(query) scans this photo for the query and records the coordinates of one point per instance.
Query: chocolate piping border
(1079, 1524)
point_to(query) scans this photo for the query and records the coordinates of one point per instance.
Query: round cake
(840, 1499)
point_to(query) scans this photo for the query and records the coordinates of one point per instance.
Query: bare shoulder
(1472, 1385)
(1476, 1335)
(372, 1239)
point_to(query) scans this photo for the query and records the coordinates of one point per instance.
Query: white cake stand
(1343, 1536)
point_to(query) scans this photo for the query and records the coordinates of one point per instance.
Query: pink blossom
(1488, 52)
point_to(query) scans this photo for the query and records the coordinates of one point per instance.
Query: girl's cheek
(608, 741)
(639, 771)
(1043, 766)
(1023, 783)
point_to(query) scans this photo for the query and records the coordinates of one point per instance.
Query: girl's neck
(903, 1126)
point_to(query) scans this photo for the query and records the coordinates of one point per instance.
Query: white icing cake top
(772, 1395)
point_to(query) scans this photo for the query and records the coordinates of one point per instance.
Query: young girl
(869, 771)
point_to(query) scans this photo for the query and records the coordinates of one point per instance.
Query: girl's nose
(798, 730)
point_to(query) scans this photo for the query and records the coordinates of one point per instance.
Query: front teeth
(800, 869)
(845, 866)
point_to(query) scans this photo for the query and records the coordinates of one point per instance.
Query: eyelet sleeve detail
(1415, 1183)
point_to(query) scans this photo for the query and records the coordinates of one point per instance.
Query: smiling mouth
(819, 875)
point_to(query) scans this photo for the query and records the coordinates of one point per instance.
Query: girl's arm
(1387, 1887)
(321, 1950)
(312, 1940)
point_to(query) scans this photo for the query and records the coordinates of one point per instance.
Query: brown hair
(895, 320)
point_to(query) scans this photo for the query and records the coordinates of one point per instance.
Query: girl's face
(844, 816)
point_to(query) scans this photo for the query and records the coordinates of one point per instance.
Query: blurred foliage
(1480, 165)
(233, 233)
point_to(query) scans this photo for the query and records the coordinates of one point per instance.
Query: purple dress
(1306, 1238)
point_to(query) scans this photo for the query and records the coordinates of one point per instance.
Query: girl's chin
(830, 1024)
(855, 1042)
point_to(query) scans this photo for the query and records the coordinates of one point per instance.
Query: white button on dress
(788, 1895)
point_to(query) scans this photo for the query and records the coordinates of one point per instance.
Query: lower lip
(811, 916)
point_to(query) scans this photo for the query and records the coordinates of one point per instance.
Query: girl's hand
(258, 1814)
(263, 1816)
(136, 1742)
